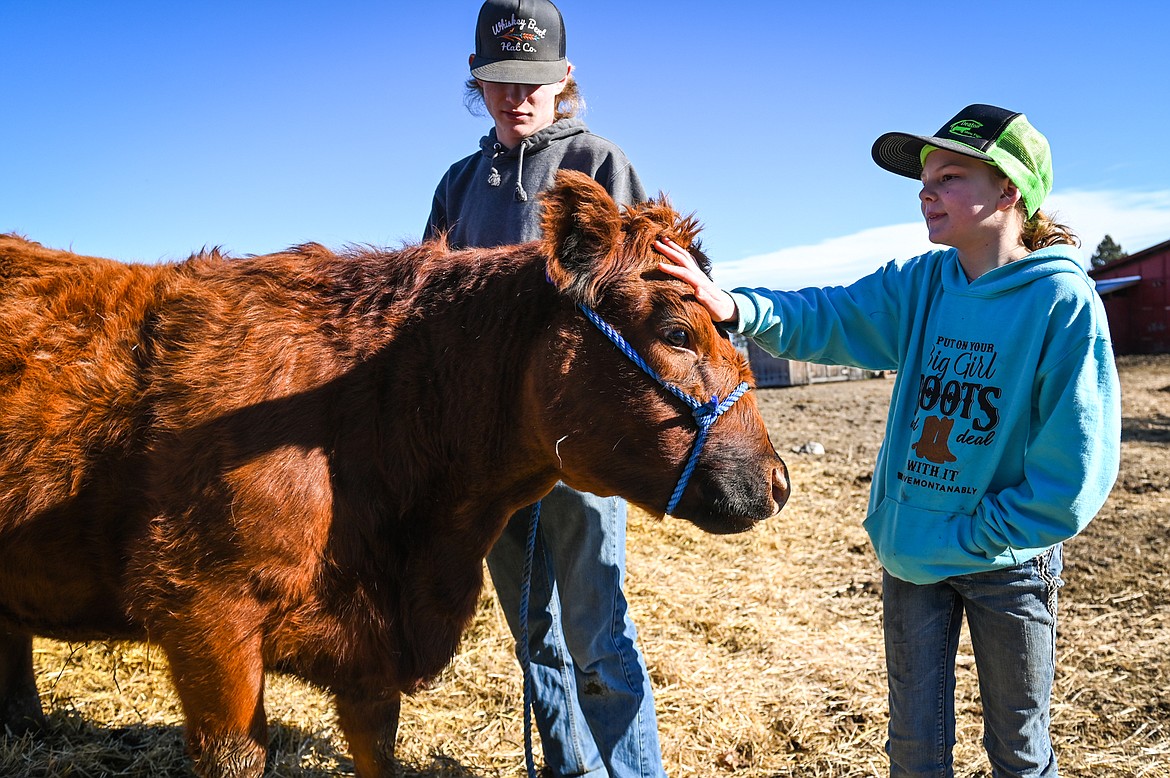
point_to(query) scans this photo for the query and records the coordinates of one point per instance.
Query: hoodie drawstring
(494, 176)
(521, 195)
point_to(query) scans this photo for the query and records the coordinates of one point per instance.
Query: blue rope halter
(705, 414)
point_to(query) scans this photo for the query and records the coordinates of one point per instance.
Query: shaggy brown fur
(298, 461)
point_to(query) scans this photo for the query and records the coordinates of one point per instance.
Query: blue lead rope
(525, 651)
(705, 414)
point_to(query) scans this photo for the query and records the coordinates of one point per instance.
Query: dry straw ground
(765, 649)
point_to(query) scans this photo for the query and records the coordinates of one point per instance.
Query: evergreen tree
(1107, 251)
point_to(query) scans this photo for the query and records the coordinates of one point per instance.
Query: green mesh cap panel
(1022, 153)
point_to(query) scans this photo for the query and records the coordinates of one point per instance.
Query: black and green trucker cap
(995, 135)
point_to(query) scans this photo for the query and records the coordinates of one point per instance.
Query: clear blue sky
(148, 130)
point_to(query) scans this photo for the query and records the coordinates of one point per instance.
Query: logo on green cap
(967, 129)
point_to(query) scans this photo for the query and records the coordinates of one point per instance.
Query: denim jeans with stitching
(592, 701)
(1011, 614)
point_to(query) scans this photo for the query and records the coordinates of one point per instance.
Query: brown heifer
(297, 462)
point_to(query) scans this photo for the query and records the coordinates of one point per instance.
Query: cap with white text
(519, 42)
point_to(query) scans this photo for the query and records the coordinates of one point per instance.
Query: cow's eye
(677, 337)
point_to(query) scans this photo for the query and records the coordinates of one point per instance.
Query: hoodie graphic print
(957, 387)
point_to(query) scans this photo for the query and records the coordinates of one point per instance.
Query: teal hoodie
(1003, 433)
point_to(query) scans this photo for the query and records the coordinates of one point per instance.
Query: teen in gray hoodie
(593, 704)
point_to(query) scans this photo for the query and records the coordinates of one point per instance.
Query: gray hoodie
(489, 198)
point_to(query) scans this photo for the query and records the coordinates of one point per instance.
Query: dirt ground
(765, 649)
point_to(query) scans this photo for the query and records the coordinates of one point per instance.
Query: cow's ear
(582, 230)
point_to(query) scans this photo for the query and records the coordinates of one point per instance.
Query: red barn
(1137, 300)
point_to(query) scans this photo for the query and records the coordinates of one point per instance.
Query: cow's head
(612, 428)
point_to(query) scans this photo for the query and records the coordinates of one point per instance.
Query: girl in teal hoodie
(1002, 438)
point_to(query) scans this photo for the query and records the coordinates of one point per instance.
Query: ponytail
(1041, 231)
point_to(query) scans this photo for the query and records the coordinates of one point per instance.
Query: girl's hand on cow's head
(680, 264)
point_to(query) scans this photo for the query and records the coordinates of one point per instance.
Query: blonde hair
(1042, 231)
(570, 102)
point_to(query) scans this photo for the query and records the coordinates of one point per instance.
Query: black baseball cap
(519, 42)
(997, 136)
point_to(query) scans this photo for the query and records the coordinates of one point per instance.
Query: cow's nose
(780, 487)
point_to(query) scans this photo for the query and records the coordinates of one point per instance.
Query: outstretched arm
(680, 264)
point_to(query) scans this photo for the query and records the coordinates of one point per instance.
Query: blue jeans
(1012, 617)
(592, 700)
